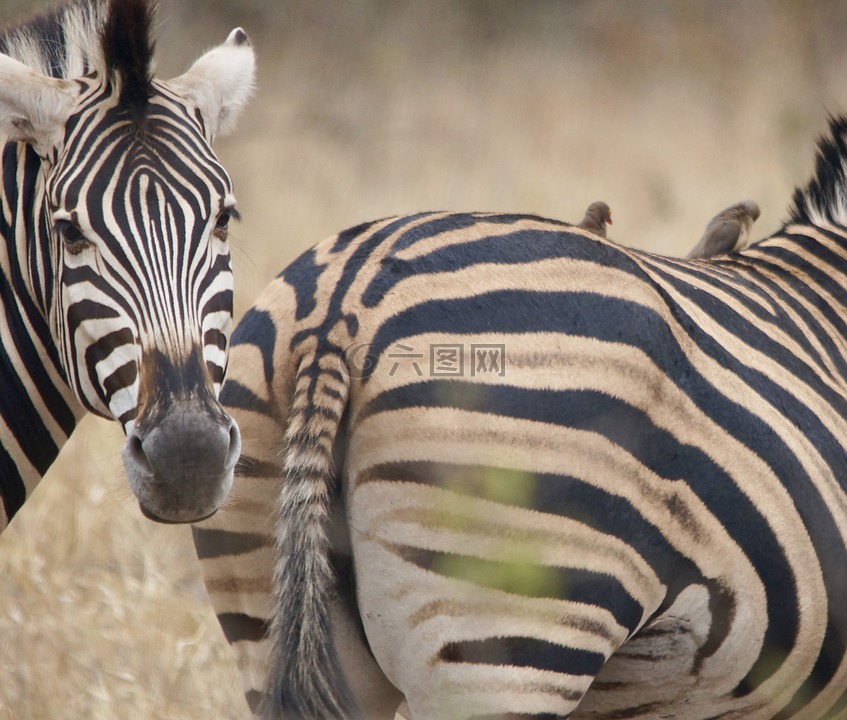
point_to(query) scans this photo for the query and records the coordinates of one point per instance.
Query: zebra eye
(222, 224)
(72, 238)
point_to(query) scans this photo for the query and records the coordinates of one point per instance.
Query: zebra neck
(37, 409)
(810, 254)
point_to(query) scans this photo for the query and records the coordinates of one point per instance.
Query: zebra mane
(128, 51)
(824, 199)
(61, 42)
(112, 37)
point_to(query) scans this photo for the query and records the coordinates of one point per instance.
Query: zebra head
(131, 266)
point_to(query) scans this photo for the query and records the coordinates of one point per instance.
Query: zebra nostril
(234, 451)
(134, 452)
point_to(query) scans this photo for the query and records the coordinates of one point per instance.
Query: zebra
(496, 466)
(115, 278)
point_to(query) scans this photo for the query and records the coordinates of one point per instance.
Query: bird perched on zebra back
(597, 216)
(728, 230)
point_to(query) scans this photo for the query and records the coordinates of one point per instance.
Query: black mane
(128, 51)
(825, 195)
(113, 37)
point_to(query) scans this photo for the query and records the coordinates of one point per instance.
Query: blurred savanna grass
(669, 111)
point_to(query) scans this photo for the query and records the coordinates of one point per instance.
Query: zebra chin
(181, 470)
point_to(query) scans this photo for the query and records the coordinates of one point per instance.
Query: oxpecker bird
(596, 218)
(726, 231)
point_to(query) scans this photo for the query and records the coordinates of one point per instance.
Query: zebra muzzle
(181, 469)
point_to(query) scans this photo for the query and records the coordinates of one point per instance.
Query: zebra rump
(525, 472)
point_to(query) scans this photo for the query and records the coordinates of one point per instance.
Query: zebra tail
(305, 678)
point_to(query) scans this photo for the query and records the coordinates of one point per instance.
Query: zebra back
(570, 478)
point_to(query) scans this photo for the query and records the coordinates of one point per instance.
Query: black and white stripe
(644, 515)
(115, 282)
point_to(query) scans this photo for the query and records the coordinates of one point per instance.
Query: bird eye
(72, 237)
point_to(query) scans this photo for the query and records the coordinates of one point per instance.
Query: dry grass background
(668, 111)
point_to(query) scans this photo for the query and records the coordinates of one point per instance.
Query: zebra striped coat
(524, 472)
(115, 279)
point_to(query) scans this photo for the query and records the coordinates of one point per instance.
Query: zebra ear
(33, 107)
(220, 83)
